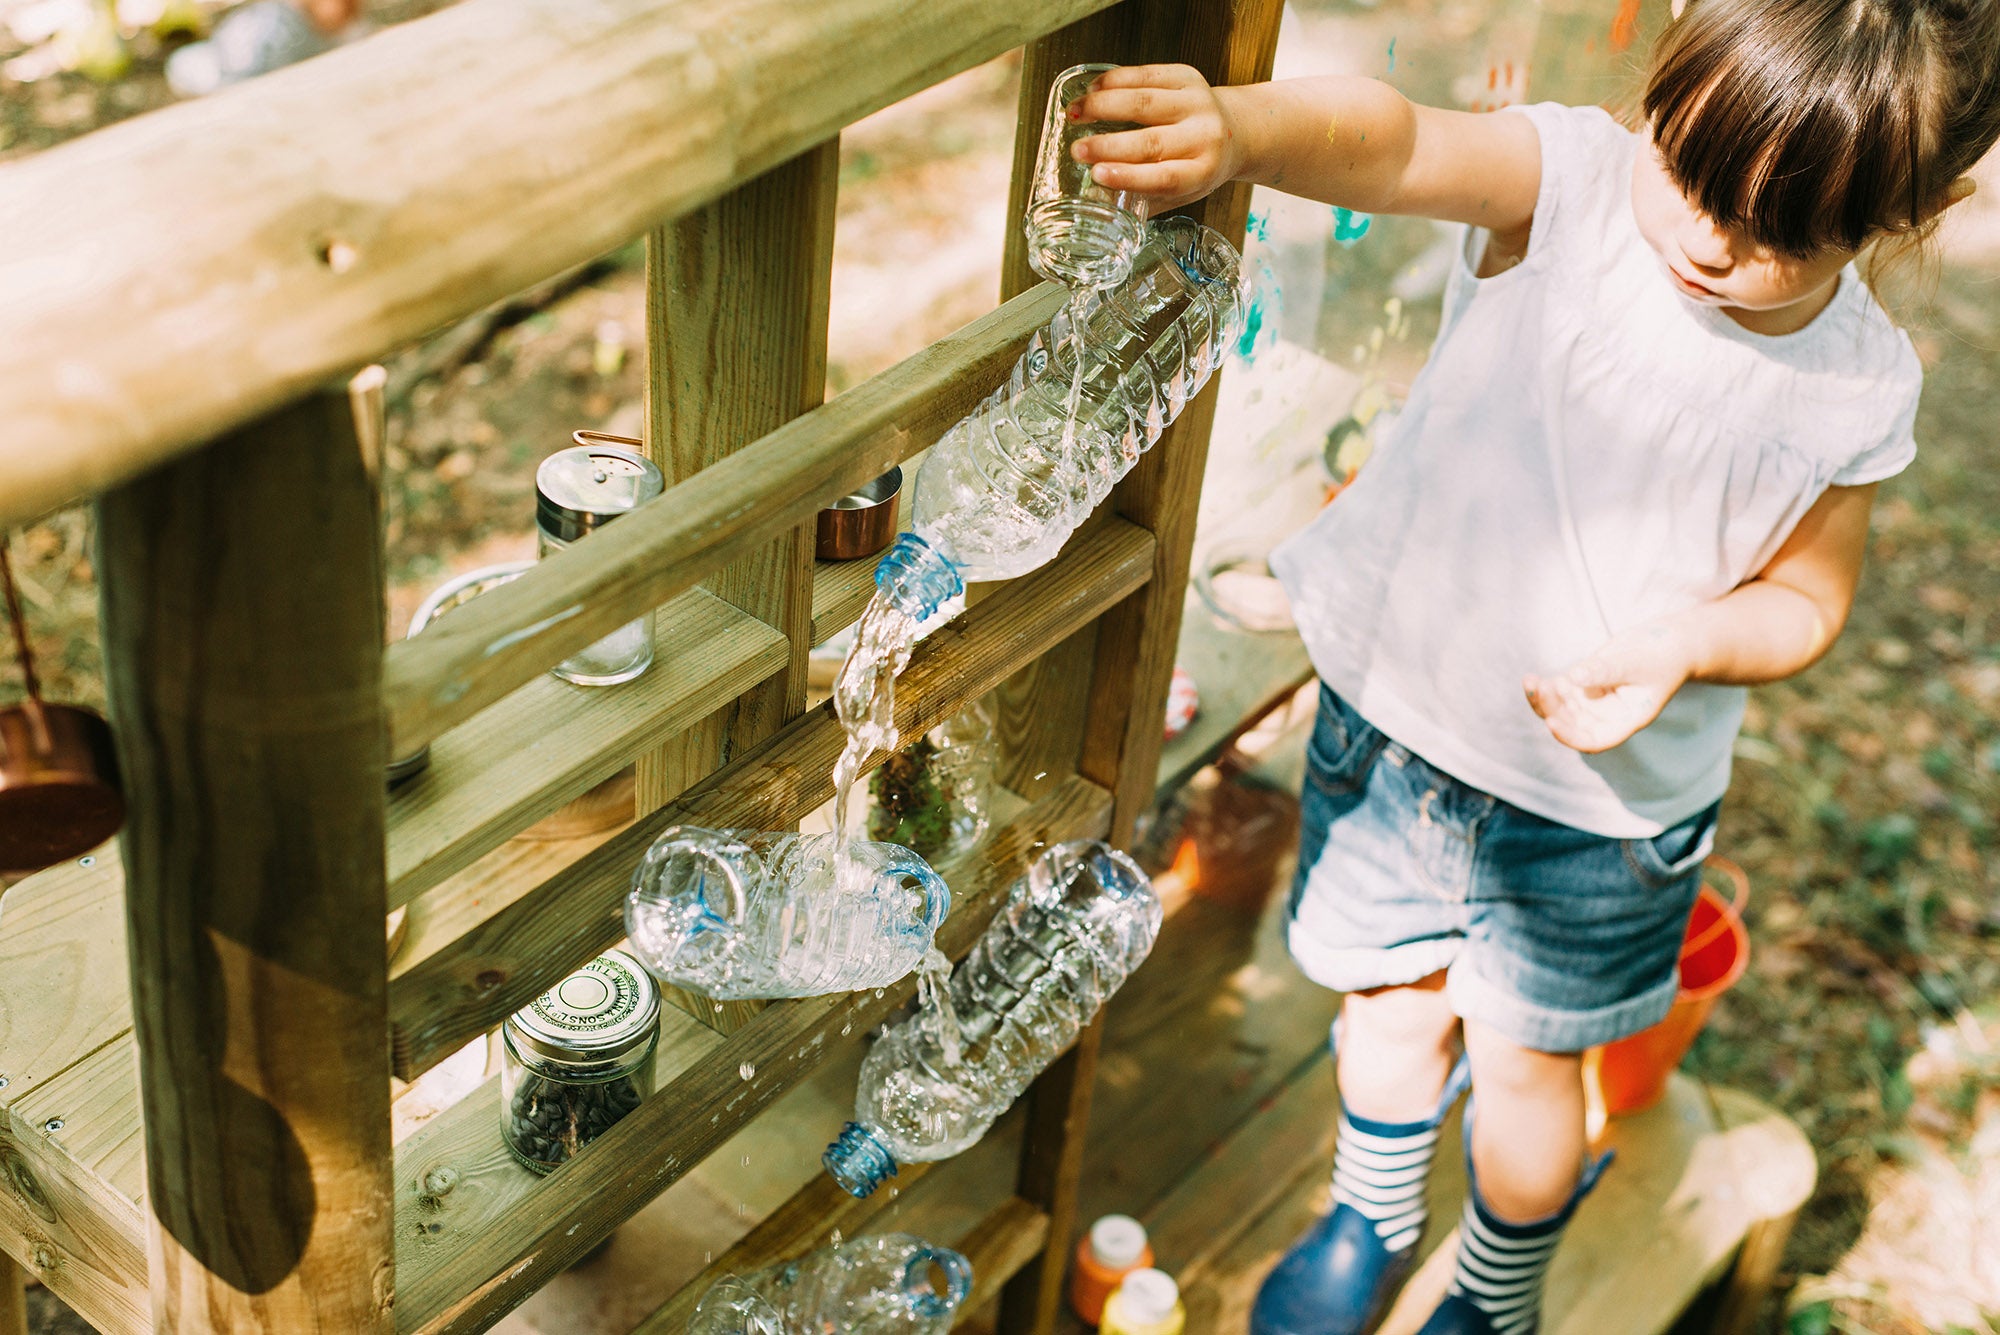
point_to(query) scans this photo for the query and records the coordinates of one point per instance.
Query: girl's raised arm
(1342, 140)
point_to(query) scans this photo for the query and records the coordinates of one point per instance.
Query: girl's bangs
(1783, 136)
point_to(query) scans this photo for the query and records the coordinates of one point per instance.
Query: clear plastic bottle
(892, 1284)
(1076, 925)
(738, 915)
(1004, 488)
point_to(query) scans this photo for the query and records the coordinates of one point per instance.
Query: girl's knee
(1412, 1016)
(1502, 1068)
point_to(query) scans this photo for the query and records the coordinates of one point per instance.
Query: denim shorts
(1557, 938)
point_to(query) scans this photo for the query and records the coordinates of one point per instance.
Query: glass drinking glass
(1079, 233)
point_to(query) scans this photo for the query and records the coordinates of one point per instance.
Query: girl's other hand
(1600, 701)
(1185, 145)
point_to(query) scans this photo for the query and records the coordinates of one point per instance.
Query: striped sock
(1379, 1169)
(1500, 1265)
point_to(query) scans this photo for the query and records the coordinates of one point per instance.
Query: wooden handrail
(177, 275)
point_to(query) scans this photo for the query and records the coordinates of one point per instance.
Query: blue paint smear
(1392, 55)
(1349, 226)
(1258, 226)
(1264, 298)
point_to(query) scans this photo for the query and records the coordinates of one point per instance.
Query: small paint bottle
(1147, 1303)
(1115, 1246)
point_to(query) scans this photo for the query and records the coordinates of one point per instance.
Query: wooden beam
(440, 1001)
(504, 638)
(736, 311)
(309, 222)
(242, 591)
(491, 1249)
(1124, 674)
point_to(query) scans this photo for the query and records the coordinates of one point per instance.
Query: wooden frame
(256, 705)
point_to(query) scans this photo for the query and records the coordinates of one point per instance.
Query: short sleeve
(1586, 173)
(1898, 446)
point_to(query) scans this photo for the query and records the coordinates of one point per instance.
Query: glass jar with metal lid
(578, 491)
(578, 1060)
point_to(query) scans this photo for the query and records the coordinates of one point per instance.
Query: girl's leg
(1397, 1046)
(1395, 1051)
(1528, 1139)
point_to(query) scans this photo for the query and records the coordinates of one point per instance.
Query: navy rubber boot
(1340, 1277)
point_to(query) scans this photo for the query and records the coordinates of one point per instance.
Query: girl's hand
(1599, 702)
(1184, 148)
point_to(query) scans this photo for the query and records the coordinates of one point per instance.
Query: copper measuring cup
(59, 791)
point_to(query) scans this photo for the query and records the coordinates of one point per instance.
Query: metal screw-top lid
(587, 486)
(600, 1015)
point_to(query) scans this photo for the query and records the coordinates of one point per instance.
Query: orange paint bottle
(1115, 1246)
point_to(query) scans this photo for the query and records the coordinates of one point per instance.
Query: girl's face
(1764, 291)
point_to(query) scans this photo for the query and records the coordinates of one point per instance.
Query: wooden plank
(736, 312)
(506, 637)
(1003, 1244)
(1058, 1108)
(247, 687)
(549, 741)
(522, 1229)
(72, 1160)
(501, 142)
(440, 1002)
(62, 970)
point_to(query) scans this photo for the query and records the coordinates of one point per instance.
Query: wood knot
(437, 1184)
(489, 979)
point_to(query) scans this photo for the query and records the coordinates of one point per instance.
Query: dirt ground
(1864, 806)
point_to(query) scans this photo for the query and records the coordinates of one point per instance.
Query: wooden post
(242, 593)
(1121, 696)
(736, 312)
(13, 1297)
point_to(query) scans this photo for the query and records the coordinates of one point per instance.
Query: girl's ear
(1961, 189)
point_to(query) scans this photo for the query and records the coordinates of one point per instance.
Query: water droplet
(718, 1008)
(845, 1030)
(881, 992)
(836, 1237)
(708, 1258)
(894, 1192)
(747, 1071)
(746, 1161)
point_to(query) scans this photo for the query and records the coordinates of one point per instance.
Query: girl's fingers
(1152, 144)
(1150, 76)
(1150, 178)
(1151, 105)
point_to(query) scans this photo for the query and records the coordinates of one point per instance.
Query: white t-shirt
(1585, 450)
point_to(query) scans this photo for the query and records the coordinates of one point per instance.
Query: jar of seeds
(578, 1059)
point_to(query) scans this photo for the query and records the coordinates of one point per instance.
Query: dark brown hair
(1818, 124)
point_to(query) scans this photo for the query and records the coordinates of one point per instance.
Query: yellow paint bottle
(1148, 1302)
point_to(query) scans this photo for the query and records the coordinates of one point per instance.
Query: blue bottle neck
(917, 578)
(858, 1161)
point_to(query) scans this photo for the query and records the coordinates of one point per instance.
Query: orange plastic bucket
(1631, 1074)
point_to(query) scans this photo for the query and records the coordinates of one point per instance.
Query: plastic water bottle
(869, 1286)
(738, 915)
(1076, 925)
(1002, 491)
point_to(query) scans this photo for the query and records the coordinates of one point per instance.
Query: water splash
(864, 699)
(934, 1000)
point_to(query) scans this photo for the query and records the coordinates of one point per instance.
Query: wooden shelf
(508, 766)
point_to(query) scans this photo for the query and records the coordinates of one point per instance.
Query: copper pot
(59, 792)
(862, 522)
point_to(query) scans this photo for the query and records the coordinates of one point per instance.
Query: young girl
(1633, 479)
